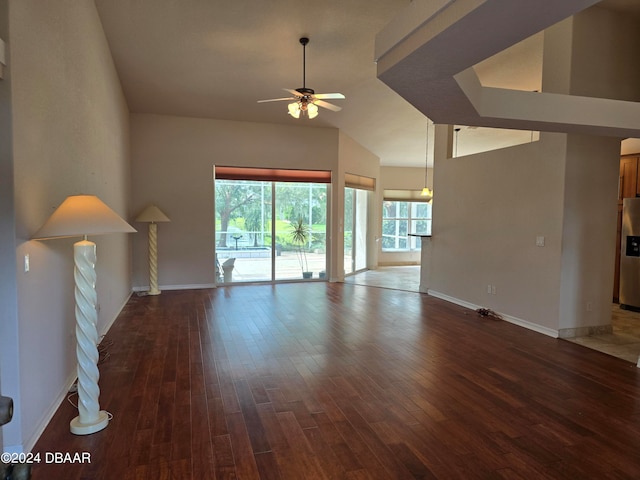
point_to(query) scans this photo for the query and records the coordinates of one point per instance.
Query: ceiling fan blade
(276, 99)
(293, 92)
(330, 106)
(336, 96)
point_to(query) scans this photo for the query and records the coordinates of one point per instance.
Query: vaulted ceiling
(216, 59)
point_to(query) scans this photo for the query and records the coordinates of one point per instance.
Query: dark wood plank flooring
(336, 381)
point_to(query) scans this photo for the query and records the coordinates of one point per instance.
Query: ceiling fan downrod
(304, 90)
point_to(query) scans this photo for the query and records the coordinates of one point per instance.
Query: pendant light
(427, 193)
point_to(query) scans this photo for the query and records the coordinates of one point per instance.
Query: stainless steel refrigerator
(630, 255)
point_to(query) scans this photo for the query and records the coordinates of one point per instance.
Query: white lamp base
(79, 428)
(154, 292)
(90, 419)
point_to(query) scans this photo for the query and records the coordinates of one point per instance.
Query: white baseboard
(195, 286)
(46, 418)
(508, 318)
(108, 325)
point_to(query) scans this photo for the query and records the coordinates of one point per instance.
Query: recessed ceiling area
(519, 67)
(443, 63)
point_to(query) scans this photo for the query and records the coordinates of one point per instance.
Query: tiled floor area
(623, 343)
(397, 278)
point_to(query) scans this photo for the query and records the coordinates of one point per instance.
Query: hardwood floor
(623, 342)
(342, 381)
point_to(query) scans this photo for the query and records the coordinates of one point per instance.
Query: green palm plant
(300, 233)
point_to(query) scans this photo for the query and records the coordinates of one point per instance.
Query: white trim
(195, 286)
(28, 445)
(108, 325)
(508, 318)
(48, 416)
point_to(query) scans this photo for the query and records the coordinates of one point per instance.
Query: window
(399, 219)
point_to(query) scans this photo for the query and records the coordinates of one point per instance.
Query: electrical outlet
(489, 289)
(493, 289)
(27, 265)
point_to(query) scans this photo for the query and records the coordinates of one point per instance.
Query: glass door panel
(243, 231)
(349, 195)
(360, 244)
(300, 230)
(355, 230)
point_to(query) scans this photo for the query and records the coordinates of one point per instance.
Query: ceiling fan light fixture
(312, 110)
(294, 110)
(306, 101)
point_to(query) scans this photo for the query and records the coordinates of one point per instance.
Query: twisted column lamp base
(153, 260)
(90, 419)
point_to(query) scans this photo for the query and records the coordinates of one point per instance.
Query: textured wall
(70, 136)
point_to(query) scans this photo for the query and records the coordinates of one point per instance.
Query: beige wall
(487, 220)
(485, 224)
(588, 232)
(70, 136)
(9, 376)
(173, 159)
(493, 206)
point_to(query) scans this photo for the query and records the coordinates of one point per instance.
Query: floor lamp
(153, 215)
(82, 215)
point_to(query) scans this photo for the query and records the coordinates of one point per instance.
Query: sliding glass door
(269, 230)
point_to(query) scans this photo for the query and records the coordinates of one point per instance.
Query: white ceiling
(215, 59)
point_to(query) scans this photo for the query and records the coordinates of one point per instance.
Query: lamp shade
(82, 215)
(152, 214)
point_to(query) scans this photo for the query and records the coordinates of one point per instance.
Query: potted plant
(300, 233)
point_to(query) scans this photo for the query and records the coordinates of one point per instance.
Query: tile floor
(397, 278)
(623, 342)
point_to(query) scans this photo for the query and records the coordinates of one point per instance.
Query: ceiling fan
(305, 100)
